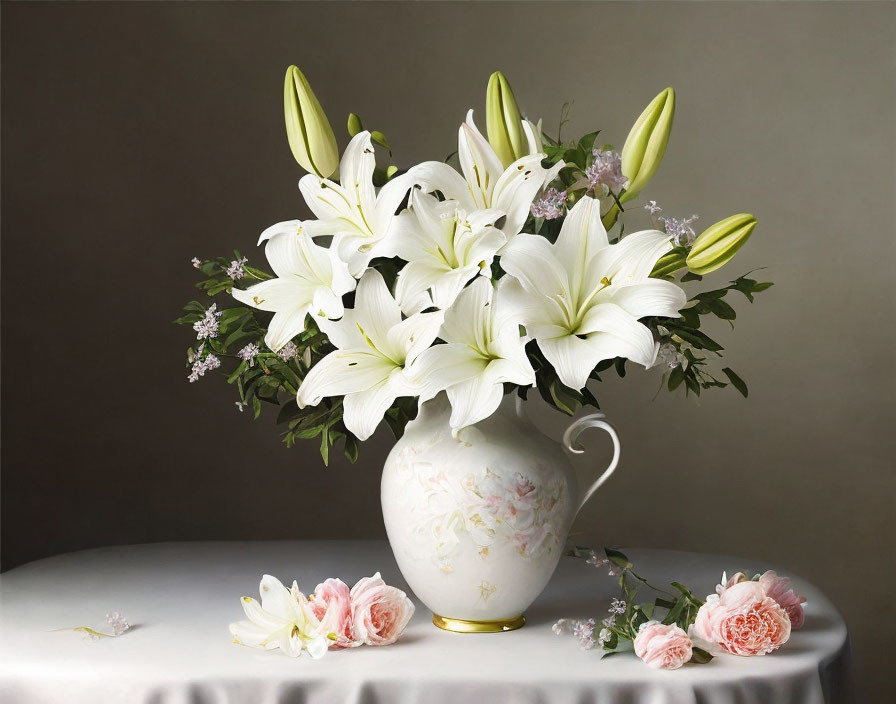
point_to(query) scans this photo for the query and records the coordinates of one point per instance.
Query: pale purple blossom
(550, 206)
(288, 351)
(196, 262)
(201, 365)
(584, 631)
(680, 230)
(208, 326)
(617, 606)
(614, 570)
(652, 207)
(564, 625)
(596, 561)
(609, 621)
(249, 353)
(118, 623)
(235, 270)
(669, 355)
(606, 171)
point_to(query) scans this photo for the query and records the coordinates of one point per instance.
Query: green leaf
(351, 448)
(676, 609)
(586, 143)
(676, 376)
(700, 656)
(287, 411)
(619, 363)
(325, 446)
(721, 309)
(618, 558)
(736, 381)
(698, 339)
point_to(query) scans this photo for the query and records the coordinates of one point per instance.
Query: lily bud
(669, 263)
(716, 245)
(646, 143)
(503, 121)
(311, 138)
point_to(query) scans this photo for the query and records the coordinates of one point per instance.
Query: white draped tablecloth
(180, 597)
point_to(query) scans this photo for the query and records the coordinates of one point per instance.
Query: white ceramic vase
(479, 521)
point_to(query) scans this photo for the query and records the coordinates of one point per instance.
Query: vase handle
(569, 442)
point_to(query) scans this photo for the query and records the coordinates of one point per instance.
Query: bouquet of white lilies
(509, 272)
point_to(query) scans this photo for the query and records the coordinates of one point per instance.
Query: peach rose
(379, 612)
(331, 603)
(776, 588)
(662, 647)
(744, 620)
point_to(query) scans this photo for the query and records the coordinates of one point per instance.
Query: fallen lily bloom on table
(283, 620)
(744, 617)
(371, 613)
(116, 621)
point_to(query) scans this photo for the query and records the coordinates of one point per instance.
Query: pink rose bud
(662, 647)
(744, 620)
(331, 603)
(379, 612)
(776, 588)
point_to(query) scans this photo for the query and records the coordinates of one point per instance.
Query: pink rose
(662, 647)
(776, 588)
(331, 603)
(379, 612)
(744, 620)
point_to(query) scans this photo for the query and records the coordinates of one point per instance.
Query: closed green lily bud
(310, 136)
(646, 143)
(503, 121)
(669, 264)
(716, 245)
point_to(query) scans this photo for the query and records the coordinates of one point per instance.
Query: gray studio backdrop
(136, 136)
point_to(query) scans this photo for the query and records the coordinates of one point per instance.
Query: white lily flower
(310, 279)
(445, 247)
(485, 183)
(284, 620)
(581, 297)
(374, 345)
(533, 137)
(483, 351)
(351, 211)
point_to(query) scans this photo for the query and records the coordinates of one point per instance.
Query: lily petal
(252, 635)
(474, 400)
(573, 358)
(515, 190)
(343, 372)
(276, 598)
(364, 410)
(650, 297)
(442, 366)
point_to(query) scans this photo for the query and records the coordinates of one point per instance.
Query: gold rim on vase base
(459, 625)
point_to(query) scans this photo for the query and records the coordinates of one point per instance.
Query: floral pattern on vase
(477, 520)
(492, 509)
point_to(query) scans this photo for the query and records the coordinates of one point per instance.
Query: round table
(180, 598)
